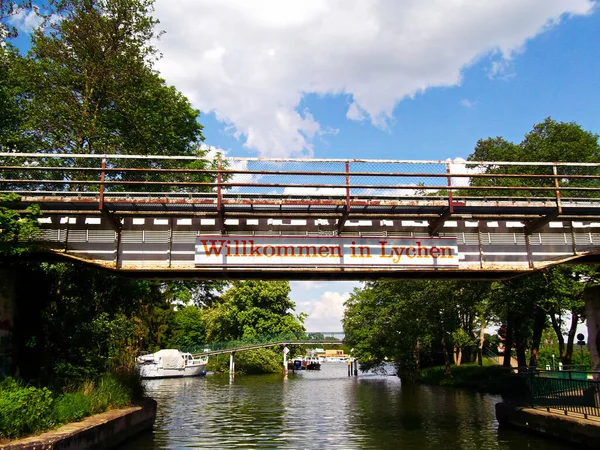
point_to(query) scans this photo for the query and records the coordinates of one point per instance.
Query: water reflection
(324, 410)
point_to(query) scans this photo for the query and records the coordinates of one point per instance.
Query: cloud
(252, 62)
(469, 104)
(25, 21)
(322, 301)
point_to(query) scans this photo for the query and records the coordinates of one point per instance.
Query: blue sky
(378, 79)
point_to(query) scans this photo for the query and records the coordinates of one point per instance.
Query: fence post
(102, 176)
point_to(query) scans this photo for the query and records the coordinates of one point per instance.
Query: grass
(28, 410)
(487, 378)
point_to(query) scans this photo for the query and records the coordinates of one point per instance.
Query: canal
(324, 410)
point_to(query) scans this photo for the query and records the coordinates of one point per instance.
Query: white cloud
(323, 301)
(469, 104)
(25, 21)
(251, 62)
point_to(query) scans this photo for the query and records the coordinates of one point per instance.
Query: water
(324, 410)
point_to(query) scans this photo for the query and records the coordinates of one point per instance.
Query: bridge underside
(158, 248)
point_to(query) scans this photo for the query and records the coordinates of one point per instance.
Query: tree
(16, 227)
(251, 309)
(93, 89)
(548, 141)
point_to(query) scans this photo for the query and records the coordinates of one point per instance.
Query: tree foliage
(16, 227)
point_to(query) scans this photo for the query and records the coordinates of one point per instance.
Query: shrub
(71, 407)
(24, 409)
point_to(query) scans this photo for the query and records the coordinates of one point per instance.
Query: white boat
(170, 364)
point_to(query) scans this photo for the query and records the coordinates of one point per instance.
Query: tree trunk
(521, 358)
(538, 329)
(458, 356)
(417, 355)
(481, 341)
(446, 357)
(508, 343)
(567, 358)
(557, 329)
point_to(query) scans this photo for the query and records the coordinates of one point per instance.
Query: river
(324, 409)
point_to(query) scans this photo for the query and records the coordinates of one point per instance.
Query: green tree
(93, 89)
(16, 227)
(188, 329)
(548, 141)
(253, 309)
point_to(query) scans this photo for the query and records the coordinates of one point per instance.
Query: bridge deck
(144, 215)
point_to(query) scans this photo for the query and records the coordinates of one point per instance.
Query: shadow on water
(326, 410)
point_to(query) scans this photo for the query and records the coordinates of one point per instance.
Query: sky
(377, 79)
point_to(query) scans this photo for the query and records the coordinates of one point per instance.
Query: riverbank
(105, 430)
(487, 378)
(574, 428)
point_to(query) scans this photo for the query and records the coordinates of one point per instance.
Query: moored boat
(170, 363)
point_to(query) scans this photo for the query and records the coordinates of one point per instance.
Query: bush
(24, 409)
(482, 378)
(259, 361)
(71, 407)
(28, 410)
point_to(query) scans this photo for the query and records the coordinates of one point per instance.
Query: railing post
(220, 218)
(348, 186)
(557, 187)
(450, 201)
(102, 175)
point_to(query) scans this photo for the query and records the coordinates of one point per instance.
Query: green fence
(568, 391)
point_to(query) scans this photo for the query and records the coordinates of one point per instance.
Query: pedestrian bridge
(275, 340)
(243, 218)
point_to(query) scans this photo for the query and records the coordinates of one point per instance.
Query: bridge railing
(304, 179)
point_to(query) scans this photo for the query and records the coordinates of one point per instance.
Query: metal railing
(231, 180)
(579, 393)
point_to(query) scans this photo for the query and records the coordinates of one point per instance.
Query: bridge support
(592, 309)
(231, 363)
(7, 320)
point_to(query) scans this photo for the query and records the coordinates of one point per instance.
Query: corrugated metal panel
(102, 236)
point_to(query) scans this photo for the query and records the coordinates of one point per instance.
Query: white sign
(286, 350)
(290, 251)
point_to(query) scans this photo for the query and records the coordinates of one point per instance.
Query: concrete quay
(572, 428)
(101, 431)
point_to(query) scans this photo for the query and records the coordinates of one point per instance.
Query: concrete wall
(581, 431)
(102, 431)
(592, 309)
(7, 319)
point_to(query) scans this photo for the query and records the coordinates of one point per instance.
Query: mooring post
(349, 367)
(231, 363)
(355, 367)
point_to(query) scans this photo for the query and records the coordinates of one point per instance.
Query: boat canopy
(169, 359)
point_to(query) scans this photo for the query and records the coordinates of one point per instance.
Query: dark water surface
(324, 410)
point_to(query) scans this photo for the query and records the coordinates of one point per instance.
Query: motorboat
(306, 363)
(170, 363)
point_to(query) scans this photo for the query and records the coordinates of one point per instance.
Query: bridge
(243, 218)
(275, 340)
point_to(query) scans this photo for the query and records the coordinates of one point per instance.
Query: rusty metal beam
(114, 221)
(437, 224)
(536, 225)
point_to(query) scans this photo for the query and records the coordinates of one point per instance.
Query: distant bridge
(305, 338)
(243, 218)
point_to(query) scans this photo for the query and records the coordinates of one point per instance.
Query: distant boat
(170, 363)
(305, 363)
